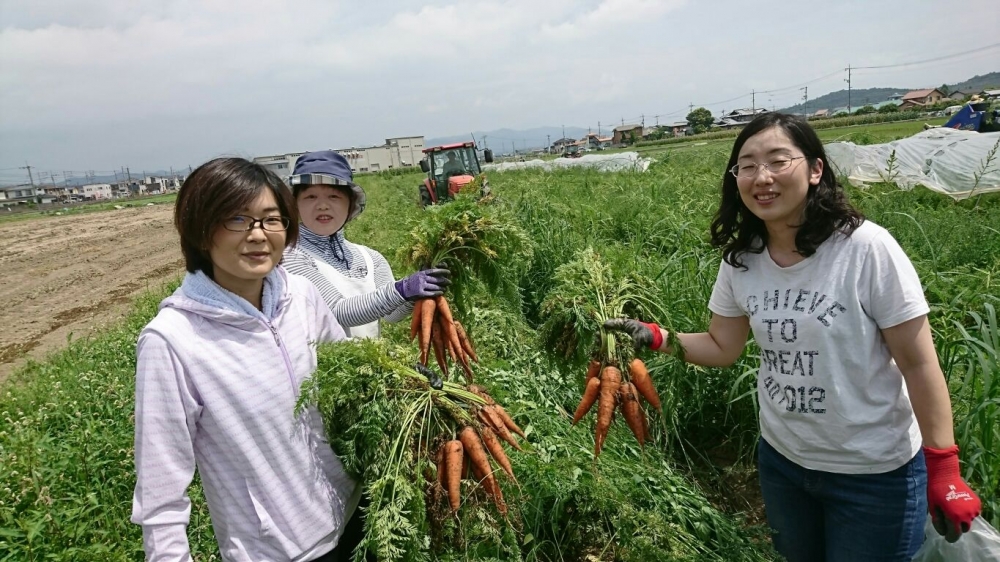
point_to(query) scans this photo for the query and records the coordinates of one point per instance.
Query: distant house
(920, 98)
(625, 133)
(894, 97)
(820, 114)
(560, 145)
(97, 191)
(728, 123)
(744, 115)
(679, 128)
(959, 95)
(882, 104)
(18, 194)
(990, 94)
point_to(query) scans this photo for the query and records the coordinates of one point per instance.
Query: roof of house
(885, 103)
(821, 112)
(746, 111)
(679, 124)
(627, 127)
(920, 94)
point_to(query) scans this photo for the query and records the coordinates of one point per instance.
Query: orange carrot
(415, 321)
(426, 324)
(481, 392)
(507, 420)
(453, 454)
(496, 450)
(632, 412)
(640, 378)
(589, 397)
(440, 466)
(473, 447)
(489, 416)
(438, 343)
(466, 342)
(611, 379)
(593, 368)
(444, 312)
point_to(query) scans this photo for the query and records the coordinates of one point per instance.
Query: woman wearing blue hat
(354, 280)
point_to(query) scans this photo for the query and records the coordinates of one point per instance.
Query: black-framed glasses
(243, 223)
(750, 169)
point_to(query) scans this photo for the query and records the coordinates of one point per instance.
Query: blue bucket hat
(327, 167)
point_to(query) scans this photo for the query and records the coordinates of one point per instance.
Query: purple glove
(424, 284)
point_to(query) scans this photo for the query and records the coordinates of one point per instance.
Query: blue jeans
(827, 517)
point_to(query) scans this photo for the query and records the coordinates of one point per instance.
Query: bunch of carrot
(606, 387)
(467, 452)
(438, 330)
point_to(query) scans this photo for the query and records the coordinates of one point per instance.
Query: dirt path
(77, 273)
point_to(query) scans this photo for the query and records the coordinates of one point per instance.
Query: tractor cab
(449, 168)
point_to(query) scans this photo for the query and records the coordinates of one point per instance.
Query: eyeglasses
(241, 223)
(750, 169)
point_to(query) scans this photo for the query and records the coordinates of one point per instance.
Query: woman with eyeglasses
(856, 443)
(354, 280)
(217, 377)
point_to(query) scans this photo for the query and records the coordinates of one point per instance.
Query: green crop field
(66, 472)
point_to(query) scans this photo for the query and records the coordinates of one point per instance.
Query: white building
(399, 152)
(97, 191)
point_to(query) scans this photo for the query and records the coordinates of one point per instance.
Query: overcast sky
(100, 84)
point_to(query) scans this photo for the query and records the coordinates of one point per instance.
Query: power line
(935, 59)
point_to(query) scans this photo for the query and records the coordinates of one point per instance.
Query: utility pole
(598, 128)
(30, 177)
(485, 146)
(805, 99)
(129, 172)
(548, 144)
(564, 131)
(848, 69)
(642, 119)
(753, 102)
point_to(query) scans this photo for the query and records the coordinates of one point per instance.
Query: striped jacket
(385, 303)
(216, 386)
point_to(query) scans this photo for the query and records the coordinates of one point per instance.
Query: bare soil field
(74, 274)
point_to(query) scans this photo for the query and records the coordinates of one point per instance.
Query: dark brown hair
(218, 190)
(737, 230)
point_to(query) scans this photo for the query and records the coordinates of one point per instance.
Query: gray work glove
(644, 335)
(432, 377)
(424, 284)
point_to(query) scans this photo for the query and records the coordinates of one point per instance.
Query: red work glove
(950, 501)
(644, 334)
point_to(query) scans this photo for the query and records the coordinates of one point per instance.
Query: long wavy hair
(737, 230)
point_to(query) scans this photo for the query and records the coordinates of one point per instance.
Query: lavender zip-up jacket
(216, 385)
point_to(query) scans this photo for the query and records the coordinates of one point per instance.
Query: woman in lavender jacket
(218, 375)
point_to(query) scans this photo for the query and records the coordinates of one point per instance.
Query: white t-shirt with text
(831, 397)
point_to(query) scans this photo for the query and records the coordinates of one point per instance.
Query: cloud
(176, 80)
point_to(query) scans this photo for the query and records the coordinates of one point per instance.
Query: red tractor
(449, 168)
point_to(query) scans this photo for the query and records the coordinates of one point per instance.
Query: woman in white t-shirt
(857, 442)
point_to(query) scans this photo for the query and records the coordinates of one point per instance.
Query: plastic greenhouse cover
(941, 159)
(619, 162)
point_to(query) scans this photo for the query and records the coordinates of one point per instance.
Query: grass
(66, 436)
